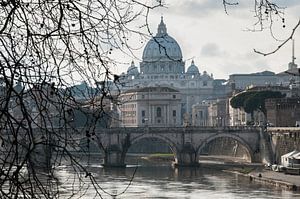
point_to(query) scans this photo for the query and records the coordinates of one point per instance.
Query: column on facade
(153, 114)
(166, 114)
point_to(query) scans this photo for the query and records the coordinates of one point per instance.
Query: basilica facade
(163, 65)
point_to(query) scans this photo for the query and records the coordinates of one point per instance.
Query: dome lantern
(162, 29)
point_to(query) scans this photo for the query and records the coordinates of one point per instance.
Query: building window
(143, 113)
(205, 83)
(143, 96)
(174, 113)
(158, 112)
(174, 96)
(201, 114)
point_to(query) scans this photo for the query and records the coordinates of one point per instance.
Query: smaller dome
(132, 70)
(206, 76)
(193, 69)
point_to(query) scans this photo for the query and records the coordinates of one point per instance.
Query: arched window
(158, 112)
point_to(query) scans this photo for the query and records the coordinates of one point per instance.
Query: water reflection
(157, 180)
(166, 182)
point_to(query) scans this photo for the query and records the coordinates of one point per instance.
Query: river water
(163, 181)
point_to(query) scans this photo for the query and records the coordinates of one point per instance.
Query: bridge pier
(186, 160)
(187, 157)
(40, 157)
(114, 157)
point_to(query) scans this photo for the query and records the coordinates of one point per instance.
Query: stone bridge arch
(235, 137)
(184, 153)
(166, 139)
(186, 143)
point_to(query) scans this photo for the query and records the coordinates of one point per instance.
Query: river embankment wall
(275, 179)
(284, 140)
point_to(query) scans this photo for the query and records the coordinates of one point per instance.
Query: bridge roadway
(185, 142)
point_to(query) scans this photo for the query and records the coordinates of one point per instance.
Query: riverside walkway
(278, 179)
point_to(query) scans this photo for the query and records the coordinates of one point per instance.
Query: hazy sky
(219, 43)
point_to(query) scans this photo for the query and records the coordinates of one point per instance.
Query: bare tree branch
(264, 12)
(46, 48)
(282, 44)
(227, 3)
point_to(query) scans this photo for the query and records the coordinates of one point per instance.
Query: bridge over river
(185, 142)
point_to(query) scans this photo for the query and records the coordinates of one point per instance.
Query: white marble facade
(150, 107)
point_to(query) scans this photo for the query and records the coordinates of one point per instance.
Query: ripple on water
(167, 183)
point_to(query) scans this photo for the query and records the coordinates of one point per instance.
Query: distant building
(238, 117)
(283, 112)
(242, 81)
(218, 113)
(163, 66)
(150, 106)
(200, 114)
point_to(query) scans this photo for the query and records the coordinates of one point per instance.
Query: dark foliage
(253, 100)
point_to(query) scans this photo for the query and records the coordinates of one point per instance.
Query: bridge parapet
(142, 130)
(283, 129)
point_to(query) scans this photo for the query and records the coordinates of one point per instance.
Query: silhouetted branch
(282, 44)
(227, 3)
(46, 48)
(264, 13)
